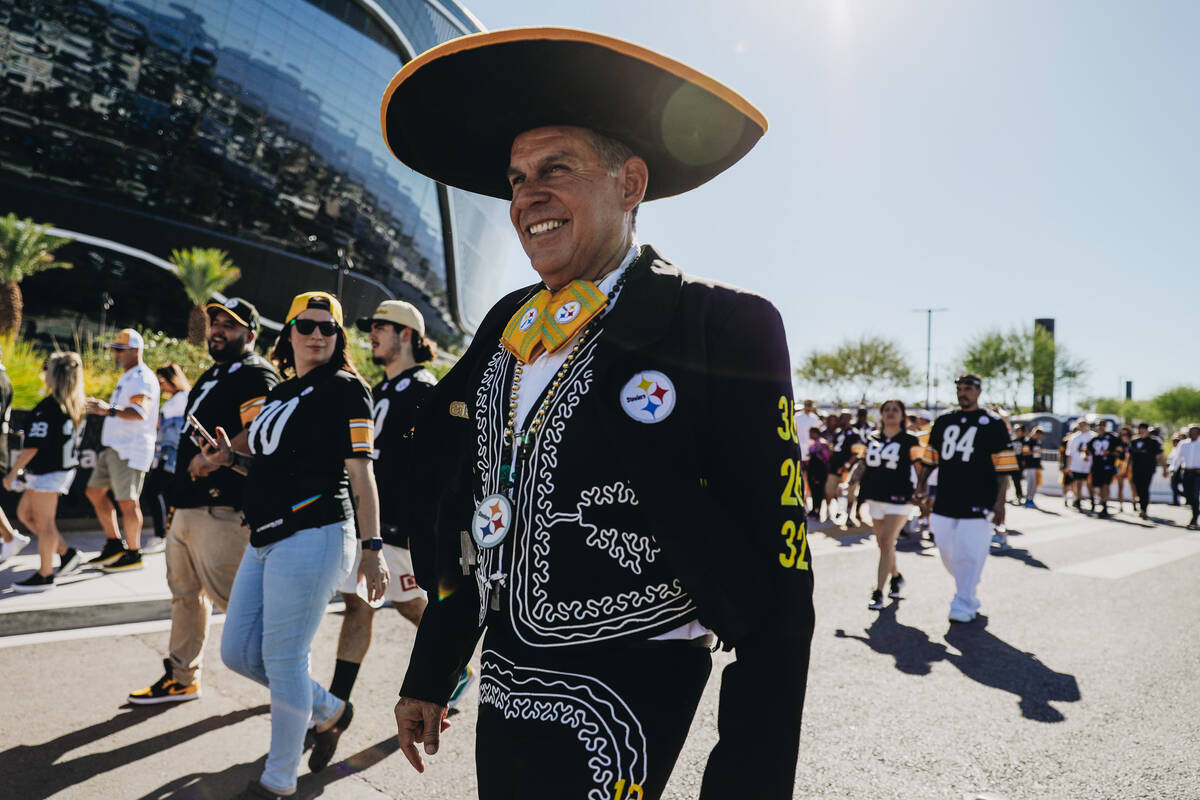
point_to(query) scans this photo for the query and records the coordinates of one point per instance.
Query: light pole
(928, 312)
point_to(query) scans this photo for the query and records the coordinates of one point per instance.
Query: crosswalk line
(1128, 562)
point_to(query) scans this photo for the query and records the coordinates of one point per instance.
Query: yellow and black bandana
(550, 320)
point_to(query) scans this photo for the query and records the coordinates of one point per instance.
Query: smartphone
(200, 436)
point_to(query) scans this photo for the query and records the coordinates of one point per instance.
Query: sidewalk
(89, 597)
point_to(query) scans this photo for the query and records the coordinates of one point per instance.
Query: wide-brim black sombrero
(452, 112)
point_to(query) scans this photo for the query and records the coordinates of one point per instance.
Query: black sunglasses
(307, 326)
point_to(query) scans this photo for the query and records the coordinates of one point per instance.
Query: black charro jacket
(698, 515)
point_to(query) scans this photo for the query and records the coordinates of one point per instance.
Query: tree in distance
(1009, 360)
(1177, 406)
(25, 248)
(858, 363)
(203, 272)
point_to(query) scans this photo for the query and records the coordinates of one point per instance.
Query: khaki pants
(204, 548)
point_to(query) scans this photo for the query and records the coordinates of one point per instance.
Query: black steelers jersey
(1144, 453)
(846, 445)
(1105, 449)
(969, 448)
(889, 461)
(53, 433)
(226, 396)
(1031, 454)
(397, 402)
(300, 441)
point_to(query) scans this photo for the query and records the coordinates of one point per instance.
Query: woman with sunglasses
(307, 471)
(887, 486)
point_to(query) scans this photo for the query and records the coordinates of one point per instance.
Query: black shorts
(1079, 476)
(1103, 476)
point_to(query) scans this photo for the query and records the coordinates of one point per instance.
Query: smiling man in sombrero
(611, 481)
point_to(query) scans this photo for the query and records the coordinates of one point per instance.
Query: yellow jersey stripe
(1005, 462)
(249, 409)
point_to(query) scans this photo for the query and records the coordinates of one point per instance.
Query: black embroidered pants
(599, 722)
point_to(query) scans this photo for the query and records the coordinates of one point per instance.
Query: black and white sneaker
(897, 587)
(876, 600)
(113, 548)
(36, 582)
(128, 560)
(70, 562)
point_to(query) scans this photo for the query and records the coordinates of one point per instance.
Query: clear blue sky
(1007, 160)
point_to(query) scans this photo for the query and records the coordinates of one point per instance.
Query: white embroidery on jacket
(614, 744)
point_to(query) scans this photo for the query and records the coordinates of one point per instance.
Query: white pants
(963, 545)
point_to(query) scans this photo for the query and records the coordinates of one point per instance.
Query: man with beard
(972, 450)
(206, 537)
(398, 344)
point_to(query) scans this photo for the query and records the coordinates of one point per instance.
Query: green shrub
(24, 365)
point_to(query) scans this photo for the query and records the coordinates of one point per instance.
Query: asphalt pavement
(1078, 681)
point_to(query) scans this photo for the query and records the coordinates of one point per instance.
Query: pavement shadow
(35, 771)
(993, 662)
(1020, 554)
(910, 647)
(228, 782)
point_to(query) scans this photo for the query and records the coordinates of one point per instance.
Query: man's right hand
(419, 721)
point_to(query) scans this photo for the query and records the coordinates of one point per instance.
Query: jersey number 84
(955, 441)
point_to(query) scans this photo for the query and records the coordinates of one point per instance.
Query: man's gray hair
(613, 155)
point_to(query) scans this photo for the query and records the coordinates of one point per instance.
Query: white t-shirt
(1076, 447)
(134, 439)
(805, 423)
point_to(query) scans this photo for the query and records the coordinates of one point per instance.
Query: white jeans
(963, 545)
(1031, 487)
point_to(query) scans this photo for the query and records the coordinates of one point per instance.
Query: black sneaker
(69, 563)
(897, 587)
(325, 742)
(111, 552)
(256, 791)
(1104, 513)
(129, 560)
(36, 582)
(165, 690)
(876, 600)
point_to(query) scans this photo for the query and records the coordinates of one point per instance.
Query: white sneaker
(13, 547)
(961, 616)
(154, 544)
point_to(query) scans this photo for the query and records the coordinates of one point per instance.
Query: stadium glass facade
(249, 125)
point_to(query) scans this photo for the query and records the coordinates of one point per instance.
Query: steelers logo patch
(648, 397)
(983, 420)
(403, 384)
(567, 312)
(527, 319)
(492, 519)
(236, 366)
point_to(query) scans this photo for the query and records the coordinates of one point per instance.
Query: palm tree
(203, 272)
(25, 248)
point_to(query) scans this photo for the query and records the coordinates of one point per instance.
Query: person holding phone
(206, 536)
(308, 477)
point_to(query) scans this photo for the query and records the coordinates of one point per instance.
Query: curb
(42, 620)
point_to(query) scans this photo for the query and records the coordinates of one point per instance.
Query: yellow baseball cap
(127, 339)
(397, 311)
(322, 300)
